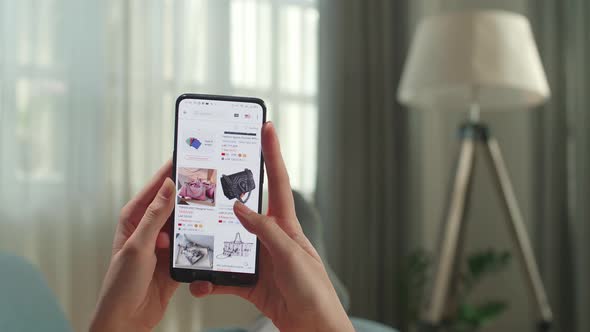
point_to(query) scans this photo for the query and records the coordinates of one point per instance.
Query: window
(286, 77)
(34, 89)
(261, 48)
(121, 64)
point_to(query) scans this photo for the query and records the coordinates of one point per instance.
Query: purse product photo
(238, 184)
(194, 190)
(236, 248)
(193, 255)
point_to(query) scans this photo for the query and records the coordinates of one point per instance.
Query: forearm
(340, 323)
(324, 320)
(103, 322)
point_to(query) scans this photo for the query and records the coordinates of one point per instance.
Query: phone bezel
(216, 277)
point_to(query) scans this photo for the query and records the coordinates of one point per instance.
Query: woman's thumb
(156, 214)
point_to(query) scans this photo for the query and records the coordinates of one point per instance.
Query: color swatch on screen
(194, 143)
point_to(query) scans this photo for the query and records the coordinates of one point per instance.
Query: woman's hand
(293, 288)
(138, 286)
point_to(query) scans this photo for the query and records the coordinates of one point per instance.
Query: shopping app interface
(217, 163)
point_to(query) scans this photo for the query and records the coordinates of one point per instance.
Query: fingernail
(166, 191)
(241, 210)
(268, 125)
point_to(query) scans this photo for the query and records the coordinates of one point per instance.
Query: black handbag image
(237, 184)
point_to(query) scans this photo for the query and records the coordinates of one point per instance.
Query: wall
(434, 148)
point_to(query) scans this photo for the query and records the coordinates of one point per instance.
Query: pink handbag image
(196, 190)
(210, 192)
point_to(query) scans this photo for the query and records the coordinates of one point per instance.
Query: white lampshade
(489, 55)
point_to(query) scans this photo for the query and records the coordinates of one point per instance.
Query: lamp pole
(474, 107)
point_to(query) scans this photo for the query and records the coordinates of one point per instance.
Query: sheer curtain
(87, 90)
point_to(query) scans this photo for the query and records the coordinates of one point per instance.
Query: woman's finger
(280, 200)
(163, 240)
(278, 243)
(156, 215)
(205, 288)
(137, 205)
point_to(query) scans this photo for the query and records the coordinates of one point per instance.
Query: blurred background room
(87, 91)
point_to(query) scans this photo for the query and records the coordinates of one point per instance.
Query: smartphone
(217, 161)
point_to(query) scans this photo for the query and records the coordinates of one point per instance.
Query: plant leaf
(467, 315)
(476, 316)
(411, 282)
(485, 262)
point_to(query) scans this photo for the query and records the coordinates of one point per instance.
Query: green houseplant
(464, 315)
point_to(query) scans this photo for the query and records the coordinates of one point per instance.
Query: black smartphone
(217, 161)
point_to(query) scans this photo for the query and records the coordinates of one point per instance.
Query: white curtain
(87, 92)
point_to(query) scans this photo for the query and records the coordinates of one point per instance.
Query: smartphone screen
(218, 161)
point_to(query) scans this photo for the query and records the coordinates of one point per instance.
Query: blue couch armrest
(26, 302)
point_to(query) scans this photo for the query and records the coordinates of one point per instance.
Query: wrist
(104, 323)
(334, 320)
(116, 328)
(341, 325)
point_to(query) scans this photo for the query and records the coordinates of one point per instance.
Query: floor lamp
(476, 60)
